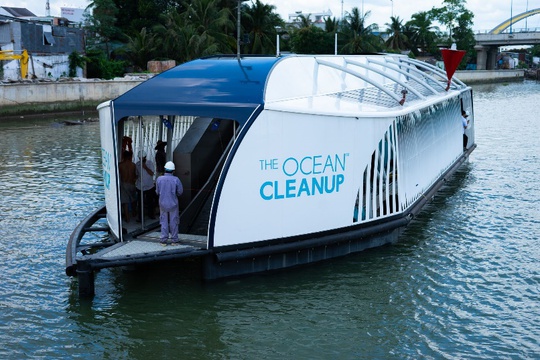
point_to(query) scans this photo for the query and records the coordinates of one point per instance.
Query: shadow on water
(444, 200)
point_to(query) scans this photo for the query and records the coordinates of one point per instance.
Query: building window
(48, 38)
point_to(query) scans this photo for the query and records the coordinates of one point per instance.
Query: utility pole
(511, 16)
(526, 10)
(48, 8)
(238, 30)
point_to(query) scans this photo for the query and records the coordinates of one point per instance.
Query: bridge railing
(514, 30)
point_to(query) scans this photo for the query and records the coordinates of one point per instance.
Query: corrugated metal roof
(18, 12)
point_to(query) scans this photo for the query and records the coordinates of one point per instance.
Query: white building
(316, 19)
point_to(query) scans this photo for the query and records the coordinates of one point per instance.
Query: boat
(285, 161)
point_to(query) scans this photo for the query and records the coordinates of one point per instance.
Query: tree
(358, 37)
(311, 40)
(76, 60)
(140, 49)
(397, 40)
(452, 13)
(180, 40)
(260, 22)
(305, 21)
(331, 25)
(535, 50)
(465, 41)
(102, 23)
(422, 33)
(459, 22)
(171, 38)
(212, 25)
(134, 15)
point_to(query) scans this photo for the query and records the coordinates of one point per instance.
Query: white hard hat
(169, 166)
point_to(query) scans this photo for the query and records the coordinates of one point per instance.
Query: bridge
(487, 44)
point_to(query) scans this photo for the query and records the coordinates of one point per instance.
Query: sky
(487, 13)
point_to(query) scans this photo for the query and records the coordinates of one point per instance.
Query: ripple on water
(464, 281)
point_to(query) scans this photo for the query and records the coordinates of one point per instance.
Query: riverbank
(490, 76)
(75, 95)
(84, 95)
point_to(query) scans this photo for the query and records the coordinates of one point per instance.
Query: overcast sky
(487, 13)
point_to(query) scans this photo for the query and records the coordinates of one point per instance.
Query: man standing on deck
(465, 123)
(169, 188)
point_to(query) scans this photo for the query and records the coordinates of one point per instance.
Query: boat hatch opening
(197, 145)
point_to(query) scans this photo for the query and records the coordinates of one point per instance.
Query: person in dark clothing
(161, 157)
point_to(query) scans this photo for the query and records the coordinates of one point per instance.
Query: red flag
(451, 59)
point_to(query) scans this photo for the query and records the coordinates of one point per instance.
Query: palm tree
(172, 36)
(305, 21)
(397, 40)
(331, 25)
(359, 37)
(260, 22)
(423, 32)
(211, 23)
(140, 49)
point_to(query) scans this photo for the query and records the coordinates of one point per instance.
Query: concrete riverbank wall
(489, 76)
(68, 96)
(60, 96)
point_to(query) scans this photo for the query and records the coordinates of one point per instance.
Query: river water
(463, 283)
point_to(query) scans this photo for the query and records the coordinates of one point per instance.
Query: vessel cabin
(293, 159)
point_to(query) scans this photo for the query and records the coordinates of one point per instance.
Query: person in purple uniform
(169, 188)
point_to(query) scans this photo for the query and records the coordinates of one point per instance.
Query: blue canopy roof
(224, 87)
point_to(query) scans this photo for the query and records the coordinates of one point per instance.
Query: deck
(148, 244)
(142, 246)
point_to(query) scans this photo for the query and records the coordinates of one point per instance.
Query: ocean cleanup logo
(307, 176)
(106, 163)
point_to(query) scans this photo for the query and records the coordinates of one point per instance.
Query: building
(316, 19)
(20, 13)
(48, 40)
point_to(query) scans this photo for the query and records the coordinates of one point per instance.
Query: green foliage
(76, 60)
(99, 66)
(459, 21)
(422, 34)
(397, 40)
(185, 30)
(201, 30)
(260, 23)
(140, 49)
(312, 40)
(535, 50)
(359, 38)
(331, 25)
(101, 25)
(453, 15)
